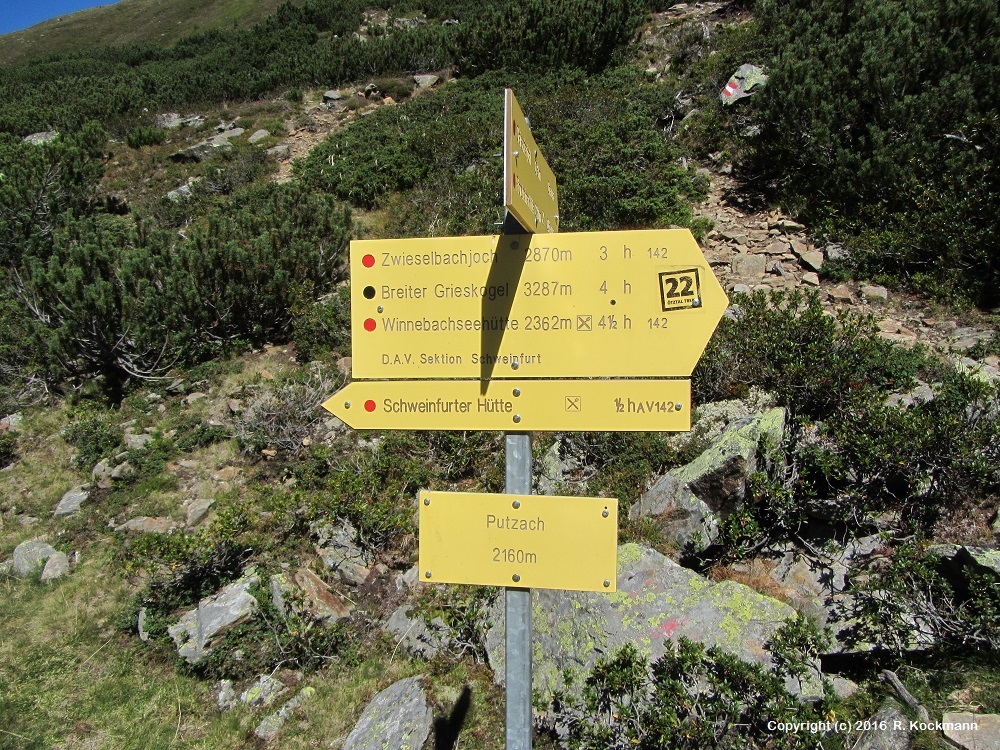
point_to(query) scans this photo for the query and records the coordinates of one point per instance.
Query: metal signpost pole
(518, 611)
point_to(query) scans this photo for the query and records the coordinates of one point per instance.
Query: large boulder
(686, 503)
(30, 557)
(657, 600)
(200, 627)
(888, 729)
(397, 718)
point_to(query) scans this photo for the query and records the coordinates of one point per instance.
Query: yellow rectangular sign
(529, 185)
(515, 405)
(575, 305)
(529, 541)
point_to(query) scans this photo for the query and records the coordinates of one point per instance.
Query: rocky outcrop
(414, 635)
(307, 594)
(687, 502)
(339, 550)
(197, 629)
(657, 600)
(398, 718)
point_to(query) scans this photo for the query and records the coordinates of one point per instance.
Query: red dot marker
(368, 261)
(369, 405)
(370, 324)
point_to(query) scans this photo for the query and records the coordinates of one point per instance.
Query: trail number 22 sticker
(680, 290)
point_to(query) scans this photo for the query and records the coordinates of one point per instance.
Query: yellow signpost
(529, 186)
(589, 304)
(522, 405)
(527, 541)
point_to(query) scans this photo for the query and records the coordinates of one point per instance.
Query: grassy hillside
(131, 22)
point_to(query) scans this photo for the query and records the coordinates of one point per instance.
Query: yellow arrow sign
(522, 405)
(589, 304)
(519, 540)
(529, 186)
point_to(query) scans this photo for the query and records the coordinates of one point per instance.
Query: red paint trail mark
(368, 261)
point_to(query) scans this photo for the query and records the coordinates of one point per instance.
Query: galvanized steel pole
(518, 611)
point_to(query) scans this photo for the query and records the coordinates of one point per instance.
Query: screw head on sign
(517, 391)
(515, 365)
(515, 244)
(696, 303)
(347, 404)
(517, 419)
(368, 261)
(607, 583)
(427, 501)
(515, 578)
(427, 574)
(380, 308)
(370, 325)
(679, 406)
(516, 504)
(605, 513)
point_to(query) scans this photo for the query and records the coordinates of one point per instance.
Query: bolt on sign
(529, 186)
(528, 541)
(573, 305)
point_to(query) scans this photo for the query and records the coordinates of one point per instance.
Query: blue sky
(20, 14)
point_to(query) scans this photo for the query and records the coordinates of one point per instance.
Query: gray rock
(842, 687)
(198, 628)
(657, 600)
(258, 136)
(141, 626)
(122, 471)
(202, 150)
(56, 567)
(810, 278)
(836, 252)
(984, 736)
(776, 247)
(226, 699)
(37, 139)
(747, 266)
(137, 442)
(197, 510)
(397, 718)
(101, 475)
(332, 96)
(168, 120)
(264, 692)
(684, 502)
(841, 294)
(72, 500)
(6, 568)
(425, 82)
(307, 594)
(269, 728)
(407, 581)
(30, 557)
(413, 634)
(875, 294)
(812, 259)
(184, 191)
(895, 736)
(280, 152)
(148, 525)
(12, 421)
(231, 133)
(339, 551)
(922, 394)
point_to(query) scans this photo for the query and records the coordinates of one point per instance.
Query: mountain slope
(131, 22)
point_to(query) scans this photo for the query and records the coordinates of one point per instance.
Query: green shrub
(96, 435)
(915, 600)
(323, 326)
(895, 141)
(691, 697)
(145, 136)
(8, 448)
(394, 88)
